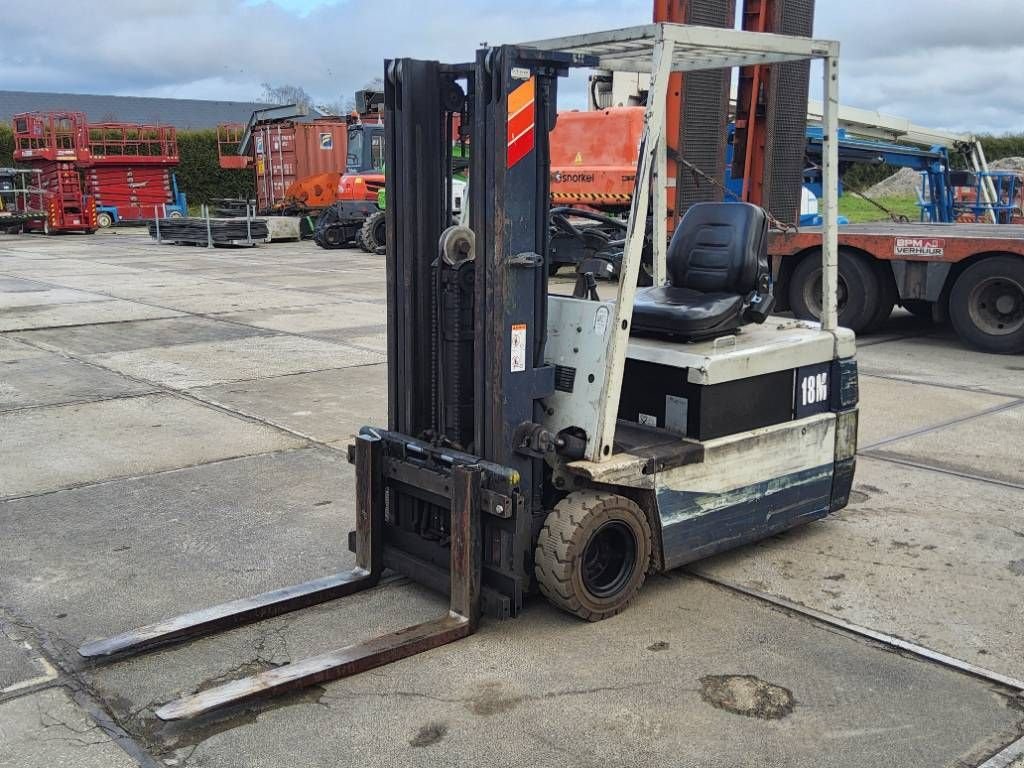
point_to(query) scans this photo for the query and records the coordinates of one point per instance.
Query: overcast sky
(955, 64)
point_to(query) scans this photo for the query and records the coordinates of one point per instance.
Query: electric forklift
(567, 445)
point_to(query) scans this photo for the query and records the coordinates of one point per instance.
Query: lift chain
(772, 220)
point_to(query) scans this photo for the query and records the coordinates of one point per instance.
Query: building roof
(181, 113)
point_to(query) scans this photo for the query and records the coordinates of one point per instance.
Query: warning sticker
(326, 141)
(919, 246)
(518, 347)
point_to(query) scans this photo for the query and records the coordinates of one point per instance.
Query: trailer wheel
(888, 294)
(858, 289)
(986, 305)
(373, 233)
(104, 220)
(593, 553)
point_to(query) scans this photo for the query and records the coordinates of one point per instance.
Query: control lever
(761, 300)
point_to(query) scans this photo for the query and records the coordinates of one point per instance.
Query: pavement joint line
(959, 387)
(869, 342)
(1005, 757)
(943, 424)
(82, 401)
(157, 473)
(881, 637)
(81, 693)
(942, 470)
(188, 396)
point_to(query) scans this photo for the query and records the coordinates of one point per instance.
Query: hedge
(200, 176)
(202, 179)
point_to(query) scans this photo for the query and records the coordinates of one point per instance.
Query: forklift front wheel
(593, 554)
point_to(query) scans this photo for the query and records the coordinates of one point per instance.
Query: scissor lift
(520, 452)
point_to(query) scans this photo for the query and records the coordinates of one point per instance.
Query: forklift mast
(471, 377)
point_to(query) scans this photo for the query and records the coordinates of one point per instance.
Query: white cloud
(958, 64)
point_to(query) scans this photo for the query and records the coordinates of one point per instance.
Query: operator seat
(718, 272)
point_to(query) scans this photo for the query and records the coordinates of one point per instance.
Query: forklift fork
(460, 621)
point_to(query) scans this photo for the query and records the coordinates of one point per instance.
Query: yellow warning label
(591, 196)
(579, 158)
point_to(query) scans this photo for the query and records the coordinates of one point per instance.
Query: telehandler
(566, 444)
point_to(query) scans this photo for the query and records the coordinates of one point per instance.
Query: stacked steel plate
(200, 231)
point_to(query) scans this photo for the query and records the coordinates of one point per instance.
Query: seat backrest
(719, 247)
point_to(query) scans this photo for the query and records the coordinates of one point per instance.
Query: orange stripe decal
(520, 148)
(520, 97)
(521, 112)
(519, 123)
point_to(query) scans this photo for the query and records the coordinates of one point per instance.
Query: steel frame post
(618, 336)
(660, 255)
(830, 188)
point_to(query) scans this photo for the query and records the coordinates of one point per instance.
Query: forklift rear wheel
(373, 233)
(986, 305)
(593, 554)
(104, 220)
(858, 289)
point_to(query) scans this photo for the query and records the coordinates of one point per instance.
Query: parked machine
(565, 444)
(99, 174)
(53, 143)
(305, 162)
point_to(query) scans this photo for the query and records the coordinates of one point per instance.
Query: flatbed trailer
(972, 274)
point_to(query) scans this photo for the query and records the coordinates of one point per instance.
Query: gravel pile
(1007, 164)
(904, 183)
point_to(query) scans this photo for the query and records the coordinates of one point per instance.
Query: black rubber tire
(373, 233)
(974, 318)
(888, 295)
(331, 238)
(102, 217)
(564, 541)
(918, 308)
(859, 289)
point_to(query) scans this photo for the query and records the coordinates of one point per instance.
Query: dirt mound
(904, 183)
(1007, 164)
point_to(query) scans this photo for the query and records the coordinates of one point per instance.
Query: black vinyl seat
(719, 278)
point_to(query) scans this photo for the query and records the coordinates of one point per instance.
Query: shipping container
(285, 151)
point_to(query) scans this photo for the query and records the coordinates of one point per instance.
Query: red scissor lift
(52, 143)
(129, 169)
(122, 169)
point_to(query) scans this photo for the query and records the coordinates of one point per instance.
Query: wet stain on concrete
(858, 497)
(167, 736)
(747, 695)
(431, 733)
(492, 699)
(661, 645)
(835, 576)
(1016, 567)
